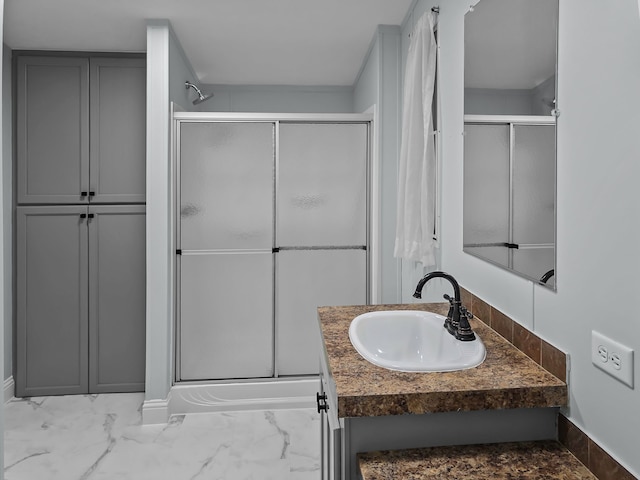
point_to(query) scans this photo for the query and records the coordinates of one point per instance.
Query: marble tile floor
(100, 437)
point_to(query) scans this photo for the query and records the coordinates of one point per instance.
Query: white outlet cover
(618, 361)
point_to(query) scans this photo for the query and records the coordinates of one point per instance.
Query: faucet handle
(465, 312)
(463, 331)
(448, 323)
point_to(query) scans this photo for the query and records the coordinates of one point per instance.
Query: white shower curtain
(417, 170)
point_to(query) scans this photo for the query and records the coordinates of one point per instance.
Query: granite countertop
(523, 460)
(506, 379)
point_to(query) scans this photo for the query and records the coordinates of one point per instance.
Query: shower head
(201, 97)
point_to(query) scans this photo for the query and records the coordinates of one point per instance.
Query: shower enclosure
(271, 223)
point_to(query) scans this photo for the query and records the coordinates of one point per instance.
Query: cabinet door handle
(83, 215)
(92, 194)
(91, 215)
(83, 194)
(321, 401)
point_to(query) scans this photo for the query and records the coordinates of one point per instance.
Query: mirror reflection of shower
(201, 96)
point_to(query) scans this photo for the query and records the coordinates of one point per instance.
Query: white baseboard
(155, 411)
(9, 389)
(225, 397)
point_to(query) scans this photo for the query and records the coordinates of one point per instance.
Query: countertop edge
(441, 402)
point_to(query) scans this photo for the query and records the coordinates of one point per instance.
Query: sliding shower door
(272, 224)
(321, 233)
(226, 200)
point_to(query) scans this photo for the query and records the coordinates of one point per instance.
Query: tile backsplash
(543, 353)
(599, 462)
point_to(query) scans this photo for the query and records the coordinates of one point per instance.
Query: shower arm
(189, 85)
(201, 97)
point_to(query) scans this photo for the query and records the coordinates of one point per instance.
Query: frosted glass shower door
(226, 204)
(226, 313)
(226, 185)
(322, 185)
(308, 279)
(486, 191)
(534, 170)
(321, 233)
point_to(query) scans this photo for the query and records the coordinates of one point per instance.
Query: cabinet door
(118, 130)
(52, 355)
(330, 439)
(117, 296)
(52, 129)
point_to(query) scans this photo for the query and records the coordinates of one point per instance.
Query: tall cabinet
(80, 224)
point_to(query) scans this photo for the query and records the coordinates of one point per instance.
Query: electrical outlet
(612, 357)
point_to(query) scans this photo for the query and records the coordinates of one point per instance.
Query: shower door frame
(372, 211)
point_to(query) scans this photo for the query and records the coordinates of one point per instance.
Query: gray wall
(486, 101)
(7, 194)
(597, 209)
(277, 98)
(180, 71)
(378, 86)
(542, 95)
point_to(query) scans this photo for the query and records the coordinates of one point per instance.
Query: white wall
(598, 209)
(378, 86)
(598, 213)
(167, 70)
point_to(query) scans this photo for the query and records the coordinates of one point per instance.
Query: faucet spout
(432, 275)
(457, 322)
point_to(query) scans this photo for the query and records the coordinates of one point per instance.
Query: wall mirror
(510, 135)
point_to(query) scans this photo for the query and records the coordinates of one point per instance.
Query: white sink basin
(412, 341)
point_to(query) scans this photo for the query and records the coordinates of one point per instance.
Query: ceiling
(246, 42)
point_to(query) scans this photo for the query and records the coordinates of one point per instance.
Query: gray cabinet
(80, 301)
(52, 307)
(330, 427)
(118, 130)
(80, 271)
(117, 298)
(52, 129)
(80, 130)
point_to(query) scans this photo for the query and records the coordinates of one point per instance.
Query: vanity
(366, 408)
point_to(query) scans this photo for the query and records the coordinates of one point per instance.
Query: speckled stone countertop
(506, 379)
(522, 461)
